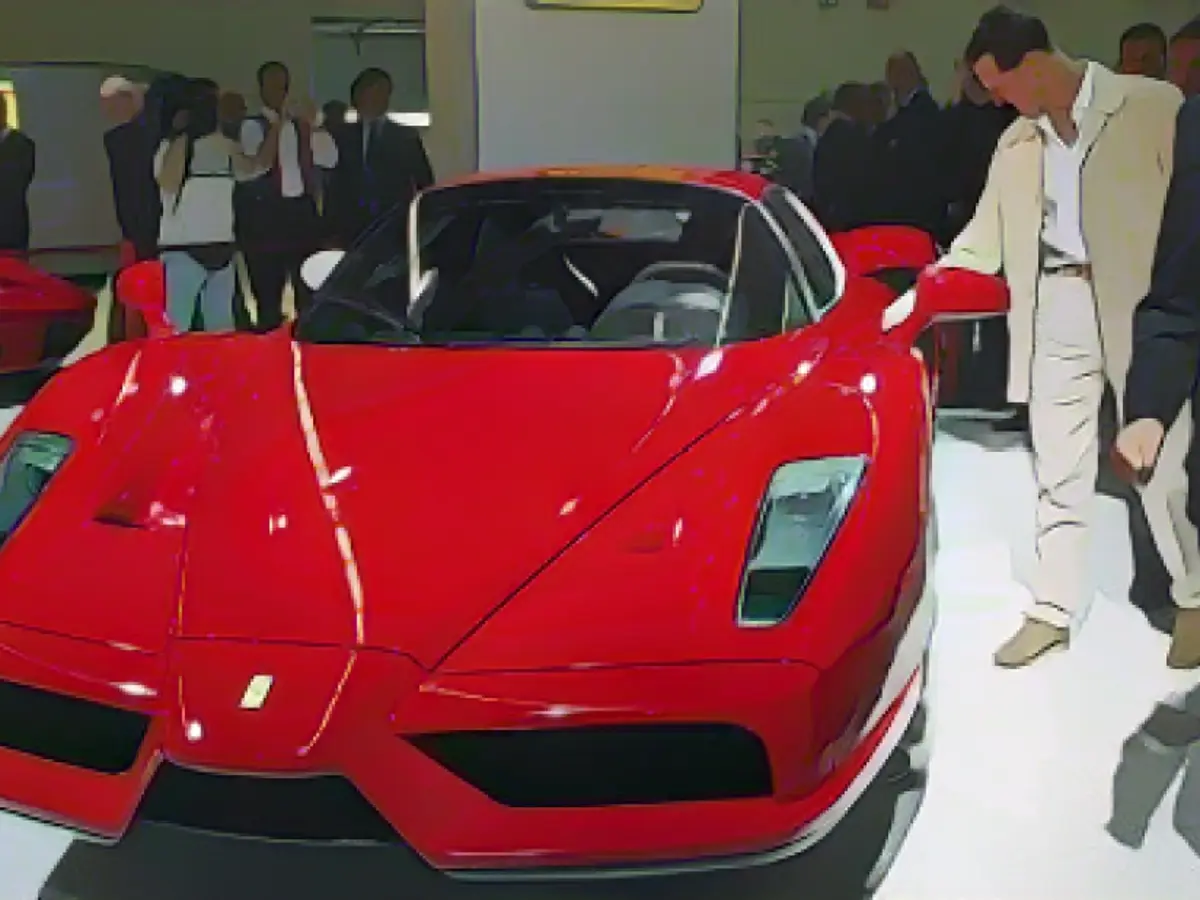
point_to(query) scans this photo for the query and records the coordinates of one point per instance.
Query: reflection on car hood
(395, 497)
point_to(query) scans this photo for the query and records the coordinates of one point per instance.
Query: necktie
(368, 136)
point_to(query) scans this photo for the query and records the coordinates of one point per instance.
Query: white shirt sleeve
(252, 137)
(324, 149)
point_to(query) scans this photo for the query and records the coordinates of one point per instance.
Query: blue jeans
(189, 284)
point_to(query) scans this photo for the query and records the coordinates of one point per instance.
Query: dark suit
(909, 153)
(970, 133)
(17, 164)
(130, 148)
(1166, 325)
(844, 193)
(362, 187)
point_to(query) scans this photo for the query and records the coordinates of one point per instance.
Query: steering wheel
(671, 270)
(507, 259)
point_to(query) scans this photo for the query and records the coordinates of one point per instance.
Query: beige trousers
(1067, 388)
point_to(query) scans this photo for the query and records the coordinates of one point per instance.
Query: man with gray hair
(130, 145)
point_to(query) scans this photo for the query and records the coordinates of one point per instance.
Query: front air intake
(321, 809)
(606, 766)
(69, 731)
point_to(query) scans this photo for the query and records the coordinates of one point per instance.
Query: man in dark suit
(844, 189)
(1166, 356)
(380, 163)
(971, 130)
(17, 164)
(130, 145)
(909, 148)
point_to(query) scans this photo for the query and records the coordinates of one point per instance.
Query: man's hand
(1139, 443)
(302, 109)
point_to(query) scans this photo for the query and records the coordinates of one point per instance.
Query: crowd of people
(888, 153)
(198, 180)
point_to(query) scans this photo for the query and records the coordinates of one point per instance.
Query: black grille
(321, 809)
(606, 766)
(70, 731)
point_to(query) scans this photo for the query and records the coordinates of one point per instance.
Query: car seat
(667, 302)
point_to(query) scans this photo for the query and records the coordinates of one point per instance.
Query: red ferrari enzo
(580, 526)
(42, 318)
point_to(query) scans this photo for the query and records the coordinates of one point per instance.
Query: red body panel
(142, 290)
(868, 250)
(418, 540)
(31, 304)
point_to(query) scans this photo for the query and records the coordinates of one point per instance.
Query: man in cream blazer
(1070, 216)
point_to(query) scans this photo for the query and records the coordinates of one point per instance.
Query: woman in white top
(196, 168)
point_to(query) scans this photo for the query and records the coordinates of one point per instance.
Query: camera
(189, 107)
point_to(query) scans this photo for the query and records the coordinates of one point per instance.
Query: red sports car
(42, 318)
(581, 526)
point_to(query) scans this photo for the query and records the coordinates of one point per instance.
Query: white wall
(557, 88)
(453, 99)
(70, 202)
(792, 49)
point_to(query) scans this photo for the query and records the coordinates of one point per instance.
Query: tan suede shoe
(1185, 640)
(1032, 641)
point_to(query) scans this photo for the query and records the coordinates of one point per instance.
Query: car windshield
(539, 262)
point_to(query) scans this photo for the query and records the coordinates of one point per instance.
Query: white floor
(1021, 783)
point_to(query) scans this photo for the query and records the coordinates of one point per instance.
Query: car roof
(745, 184)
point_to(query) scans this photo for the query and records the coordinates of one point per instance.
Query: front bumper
(352, 720)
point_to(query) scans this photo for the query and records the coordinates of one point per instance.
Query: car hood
(395, 498)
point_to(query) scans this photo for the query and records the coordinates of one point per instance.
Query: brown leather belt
(1069, 270)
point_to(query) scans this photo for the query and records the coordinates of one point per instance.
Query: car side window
(817, 273)
(765, 293)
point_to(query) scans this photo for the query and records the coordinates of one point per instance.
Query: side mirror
(317, 268)
(881, 248)
(142, 290)
(948, 295)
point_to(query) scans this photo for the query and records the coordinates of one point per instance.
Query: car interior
(506, 273)
(578, 267)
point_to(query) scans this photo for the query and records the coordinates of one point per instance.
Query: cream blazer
(1129, 129)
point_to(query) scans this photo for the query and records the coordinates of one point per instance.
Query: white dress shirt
(324, 151)
(1062, 180)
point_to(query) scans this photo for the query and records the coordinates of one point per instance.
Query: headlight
(27, 468)
(803, 508)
